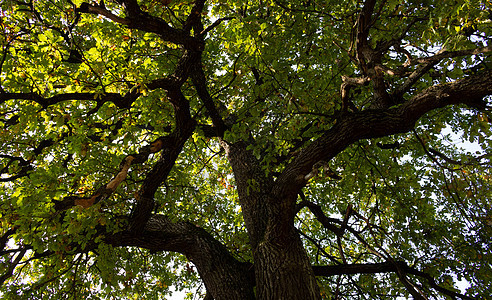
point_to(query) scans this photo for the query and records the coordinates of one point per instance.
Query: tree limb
(376, 123)
(145, 22)
(214, 24)
(185, 126)
(224, 276)
(6, 236)
(199, 81)
(194, 18)
(428, 63)
(119, 100)
(386, 267)
(10, 270)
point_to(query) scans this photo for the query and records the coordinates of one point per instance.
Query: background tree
(256, 149)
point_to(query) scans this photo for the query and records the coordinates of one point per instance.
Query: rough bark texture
(283, 271)
(282, 268)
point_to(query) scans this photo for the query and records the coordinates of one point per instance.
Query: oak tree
(245, 149)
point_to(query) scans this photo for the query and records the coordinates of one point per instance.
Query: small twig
(215, 24)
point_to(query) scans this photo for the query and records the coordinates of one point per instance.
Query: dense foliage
(224, 147)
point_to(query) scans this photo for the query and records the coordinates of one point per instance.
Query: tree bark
(224, 276)
(283, 270)
(282, 267)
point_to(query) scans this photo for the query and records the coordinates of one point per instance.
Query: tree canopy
(250, 149)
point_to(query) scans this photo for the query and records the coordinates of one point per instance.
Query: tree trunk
(282, 268)
(283, 271)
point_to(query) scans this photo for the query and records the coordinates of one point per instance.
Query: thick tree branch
(224, 276)
(369, 59)
(142, 21)
(200, 83)
(376, 123)
(106, 190)
(171, 148)
(119, 100)
(182, 71)
(364, 23)
(386, 267)
(428, 63)
(194, 18)
(253, 195)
